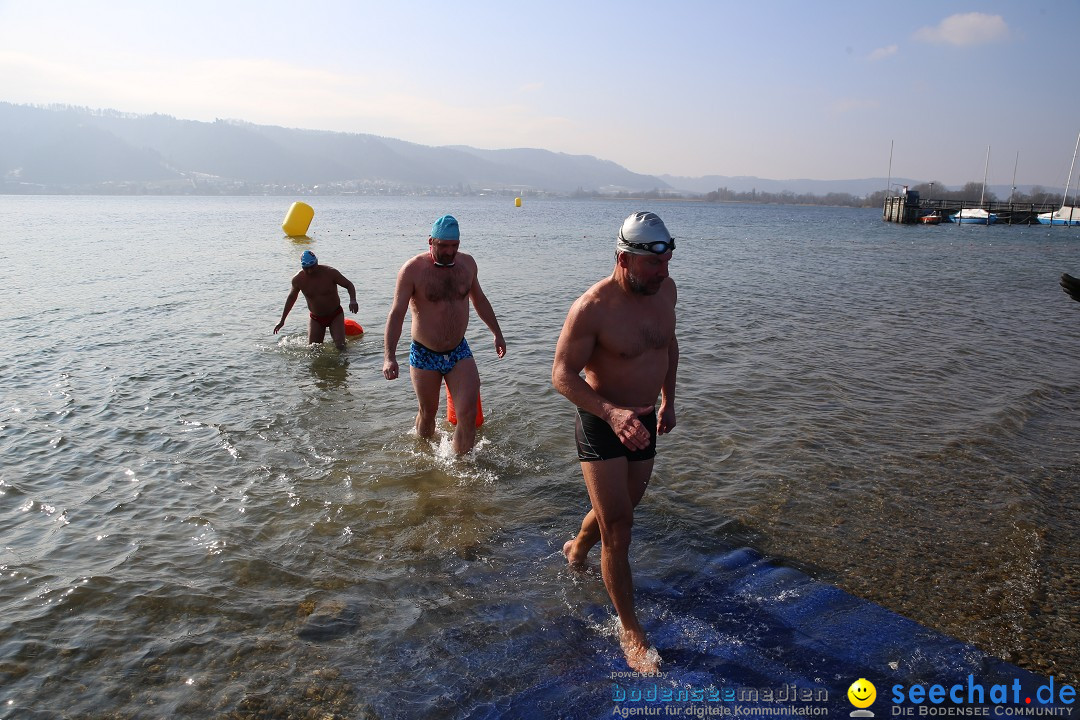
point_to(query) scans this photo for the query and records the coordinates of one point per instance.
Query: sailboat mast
(986, 168)
(888, 183)
(1065, 197)
(1015, 165)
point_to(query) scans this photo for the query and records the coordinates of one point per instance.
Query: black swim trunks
(597, 441)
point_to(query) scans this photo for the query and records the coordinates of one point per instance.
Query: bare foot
(575, 564)
(639, 656)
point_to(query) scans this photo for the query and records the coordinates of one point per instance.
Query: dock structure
(908, 207)
(902, 208)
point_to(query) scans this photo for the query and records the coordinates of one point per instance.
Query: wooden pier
(909, 208)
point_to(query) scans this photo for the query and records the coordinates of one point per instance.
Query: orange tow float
(451, 413)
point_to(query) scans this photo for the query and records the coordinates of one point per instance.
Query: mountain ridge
(78, 149)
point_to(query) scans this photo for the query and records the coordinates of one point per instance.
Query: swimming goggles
(659, 246)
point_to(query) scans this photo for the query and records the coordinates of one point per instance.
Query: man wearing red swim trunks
(621, 333)
(319, 283)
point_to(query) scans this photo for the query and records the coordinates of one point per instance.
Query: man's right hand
(390, 369)
(628, 428)
(279, 326)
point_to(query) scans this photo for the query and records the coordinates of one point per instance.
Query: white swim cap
(644, 233)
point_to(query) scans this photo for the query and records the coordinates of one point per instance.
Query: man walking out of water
(621, 332)
(438, 285)
(319, 283)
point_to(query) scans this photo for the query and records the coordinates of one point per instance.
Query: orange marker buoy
(352, 327)
(451, 414)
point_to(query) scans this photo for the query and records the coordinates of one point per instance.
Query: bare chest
(317, 287)
(445, 285)
(638, 335)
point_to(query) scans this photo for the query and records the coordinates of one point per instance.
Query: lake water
(202, 519)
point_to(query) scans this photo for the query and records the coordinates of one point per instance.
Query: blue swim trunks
(427, 359)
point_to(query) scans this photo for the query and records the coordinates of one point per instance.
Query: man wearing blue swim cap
(438, 285)
(621, 335)
(319, 283)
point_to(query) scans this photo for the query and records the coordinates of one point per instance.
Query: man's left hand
(666, 421)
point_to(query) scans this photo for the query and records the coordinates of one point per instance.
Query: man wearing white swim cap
(621, 333)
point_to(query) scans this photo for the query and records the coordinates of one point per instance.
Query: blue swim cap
(308, 259)
(446, 228)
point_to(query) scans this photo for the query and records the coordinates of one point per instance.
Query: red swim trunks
(325, 320)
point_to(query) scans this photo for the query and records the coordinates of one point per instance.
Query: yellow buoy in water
(517, 202)
(298, 219)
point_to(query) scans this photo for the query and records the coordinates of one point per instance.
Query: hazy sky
(783, 90)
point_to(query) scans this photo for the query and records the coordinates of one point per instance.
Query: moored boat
(977, 215)
(974, 216)
(1066, 214)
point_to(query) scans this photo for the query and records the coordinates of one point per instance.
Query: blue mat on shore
(744, 634)
(741, 635)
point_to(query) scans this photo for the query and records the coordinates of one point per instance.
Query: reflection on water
(331, 372)
(207, 519)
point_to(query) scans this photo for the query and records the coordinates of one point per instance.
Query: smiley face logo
(862, 693)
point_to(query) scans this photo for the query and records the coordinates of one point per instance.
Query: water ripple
(207, 519)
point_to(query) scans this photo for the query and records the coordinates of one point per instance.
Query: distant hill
(68, 149)
(859, 188)
(744, 183)
(76, 147)
(588, 173)
(44, 147)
